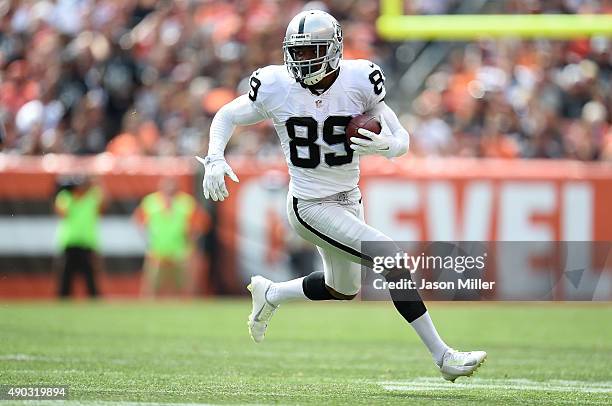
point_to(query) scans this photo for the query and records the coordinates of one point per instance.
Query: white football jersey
(311, 127)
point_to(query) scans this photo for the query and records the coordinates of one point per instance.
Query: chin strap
(322, 77)
(312, 78)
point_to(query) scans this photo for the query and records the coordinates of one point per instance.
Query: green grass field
(314, 353)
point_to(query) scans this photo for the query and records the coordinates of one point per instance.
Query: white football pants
(335, 224)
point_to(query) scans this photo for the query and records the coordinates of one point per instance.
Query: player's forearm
(221, 130)
(399, 144)
(240, 111)
(400, 139)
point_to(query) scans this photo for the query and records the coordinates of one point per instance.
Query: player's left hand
(215, 170)
(377, 143)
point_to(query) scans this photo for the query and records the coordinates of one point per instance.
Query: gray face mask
(313, 29)
(309, 66)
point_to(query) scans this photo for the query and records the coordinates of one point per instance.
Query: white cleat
(457, 363)
(262, 310)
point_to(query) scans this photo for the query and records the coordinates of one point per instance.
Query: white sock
(282, 292)
(426, 330)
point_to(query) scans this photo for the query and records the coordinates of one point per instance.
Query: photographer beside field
(79, 204)
(172, 222)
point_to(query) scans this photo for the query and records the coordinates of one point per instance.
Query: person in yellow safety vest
(79, 204)
(172, 222)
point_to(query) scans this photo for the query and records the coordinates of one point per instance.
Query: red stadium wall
(409, 199)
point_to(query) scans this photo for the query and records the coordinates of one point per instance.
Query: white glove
(383, 143)
(215, 169)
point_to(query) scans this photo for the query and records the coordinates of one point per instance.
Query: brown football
(366, 121)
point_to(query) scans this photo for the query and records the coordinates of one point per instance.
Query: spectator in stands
(79, 205)
(172, 221)
(433, 136)
(2, 134)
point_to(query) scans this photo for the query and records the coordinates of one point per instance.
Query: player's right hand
(215, 169)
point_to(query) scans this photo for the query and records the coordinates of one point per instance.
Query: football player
(310, 100)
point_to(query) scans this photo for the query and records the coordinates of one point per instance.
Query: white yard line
(437, 384)
(28, 357)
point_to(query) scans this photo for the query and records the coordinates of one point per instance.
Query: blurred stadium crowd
(145, 77)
